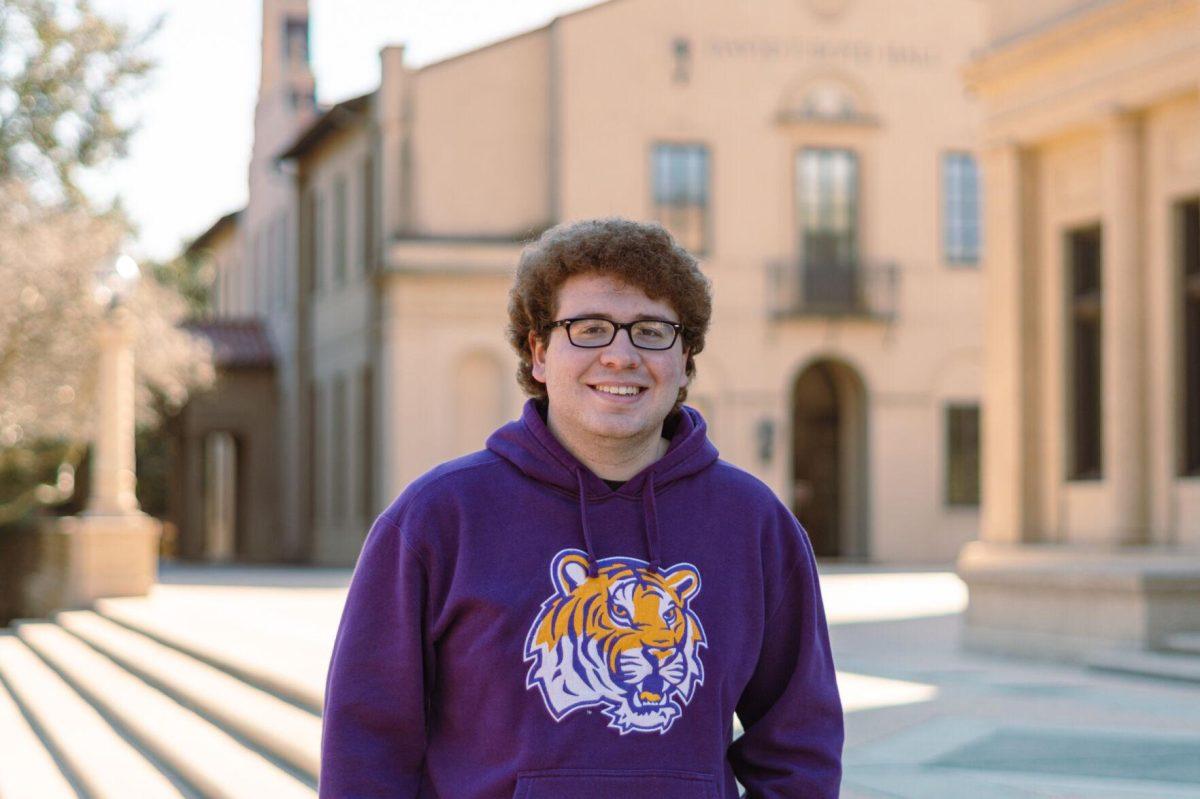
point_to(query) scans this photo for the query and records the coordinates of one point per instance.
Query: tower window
(295, 40)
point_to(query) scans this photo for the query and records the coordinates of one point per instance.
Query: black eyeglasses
(645, 334)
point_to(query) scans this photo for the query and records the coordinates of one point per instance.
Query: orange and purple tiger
(626, 640)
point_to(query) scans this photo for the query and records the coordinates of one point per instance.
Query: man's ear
(537, 357)
(683, 377)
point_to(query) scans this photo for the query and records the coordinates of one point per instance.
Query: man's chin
(617, 425)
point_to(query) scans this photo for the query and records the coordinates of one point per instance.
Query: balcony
(799, 287)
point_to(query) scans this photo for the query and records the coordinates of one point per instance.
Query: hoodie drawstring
(650, 519)
(593, 566)
(650, 512)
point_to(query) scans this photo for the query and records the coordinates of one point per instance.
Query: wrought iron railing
(799, 287)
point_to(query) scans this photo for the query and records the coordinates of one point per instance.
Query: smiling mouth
(619, 391)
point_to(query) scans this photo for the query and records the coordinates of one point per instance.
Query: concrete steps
(1179, 659)
(287, 732)
(240, 661)
(91, 708)
(103, 762)
(28, 771)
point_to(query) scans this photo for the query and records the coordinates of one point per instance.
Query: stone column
(392, 120)
(112, 548)
(1122, 330)
(113, 475)
(1005, 459)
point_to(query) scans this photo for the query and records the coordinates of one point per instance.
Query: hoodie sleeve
(790, 709)
(373, 738)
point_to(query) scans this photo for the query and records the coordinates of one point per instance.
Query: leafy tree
(191, 275)
(49, 257)
(66, 75)
(65, 72)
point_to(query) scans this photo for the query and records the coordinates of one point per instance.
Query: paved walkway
(924, 720)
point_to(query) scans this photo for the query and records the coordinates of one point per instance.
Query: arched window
(826, 98)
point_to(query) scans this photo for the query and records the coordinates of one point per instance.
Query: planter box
(70, 562)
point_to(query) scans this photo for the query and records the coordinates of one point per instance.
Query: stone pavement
(923, 718)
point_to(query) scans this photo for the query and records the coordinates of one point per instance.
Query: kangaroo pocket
(605, 784)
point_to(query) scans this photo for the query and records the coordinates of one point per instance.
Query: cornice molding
(1051, 38)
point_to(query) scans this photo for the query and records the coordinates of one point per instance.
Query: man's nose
(620, 351)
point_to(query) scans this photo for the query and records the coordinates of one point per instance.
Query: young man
(580, 609)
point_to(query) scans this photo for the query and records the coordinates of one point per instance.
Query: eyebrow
(609, 317)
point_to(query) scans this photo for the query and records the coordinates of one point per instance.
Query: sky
(187, 162)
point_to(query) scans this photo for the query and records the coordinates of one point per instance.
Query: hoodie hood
(529, 445)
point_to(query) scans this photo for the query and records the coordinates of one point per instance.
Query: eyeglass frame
(617, 328)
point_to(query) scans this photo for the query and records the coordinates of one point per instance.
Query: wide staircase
(105, 705)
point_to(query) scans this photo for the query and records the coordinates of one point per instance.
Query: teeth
(619, 390)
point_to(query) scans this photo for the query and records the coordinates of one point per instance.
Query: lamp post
(113, 464)
(111, 549)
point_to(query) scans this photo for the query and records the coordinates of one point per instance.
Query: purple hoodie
(517, 629)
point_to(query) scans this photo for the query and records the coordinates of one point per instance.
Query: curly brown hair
(639, 254)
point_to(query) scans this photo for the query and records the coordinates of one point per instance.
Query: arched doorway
(220, 496)
(829, 459)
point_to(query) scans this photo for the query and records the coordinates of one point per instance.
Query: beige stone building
(818, 157)
(1091, 496)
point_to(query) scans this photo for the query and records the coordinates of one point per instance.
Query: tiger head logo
(625, 640)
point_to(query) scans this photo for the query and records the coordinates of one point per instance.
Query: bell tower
(286, 89)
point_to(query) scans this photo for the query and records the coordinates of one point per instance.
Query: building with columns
(1090, 534)
(819, 158)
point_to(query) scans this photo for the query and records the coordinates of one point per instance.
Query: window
(316, 455)
(258, 280)
(828, 203)
(960, 209)
(682, 50)
(283, 269)
(962, 454)
(1189, 256)
(367, 443)
(320, 238)
(680, 173)
(295, 39)
(267, 254)
(338, 444)
(1084, 382)
(308, 238)
(367, 228)
(339, 231)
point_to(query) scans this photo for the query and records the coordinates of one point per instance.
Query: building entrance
(828, 459)
(220, 496)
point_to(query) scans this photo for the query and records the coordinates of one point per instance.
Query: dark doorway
(828, 459)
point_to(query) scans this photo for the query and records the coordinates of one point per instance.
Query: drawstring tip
(653, 567)
(593, 568)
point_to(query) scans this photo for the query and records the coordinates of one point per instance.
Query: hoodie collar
(530, 446)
